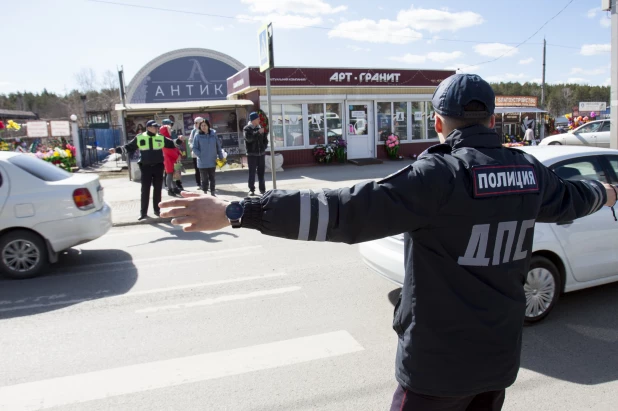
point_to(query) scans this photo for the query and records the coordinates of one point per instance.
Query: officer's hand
(112, 151)
(196, 212)
(261, 130)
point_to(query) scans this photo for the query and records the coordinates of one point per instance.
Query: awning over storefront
(502, 110)
(184, 106)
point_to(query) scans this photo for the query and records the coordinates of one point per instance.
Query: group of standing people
(160, 154)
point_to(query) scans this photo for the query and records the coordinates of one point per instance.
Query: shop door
(359, 130)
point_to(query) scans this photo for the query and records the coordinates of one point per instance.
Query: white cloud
(407, 24)
(356, 48)
(308, 7)
(505, 77)
(526, 61)
(592, 13)
(220, 28)
(536, 80)
(410, 59)
(432, 40)
(605, 22)
(576, 80)
(5, 83)
(371, 31)
(591, 72)
(439, 57)
(495, 50)
(593, 49)
(443, 57)
(285, 21)
(607, 82)
(434, 20)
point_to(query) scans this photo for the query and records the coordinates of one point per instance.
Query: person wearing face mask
(207, 147)
(150, 145)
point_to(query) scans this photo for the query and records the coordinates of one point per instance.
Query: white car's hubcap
(20, 255)
(540, 288)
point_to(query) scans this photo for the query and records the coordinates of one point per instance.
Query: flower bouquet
(63, 158)
(323, 153)
(392, 146)
(341, 150)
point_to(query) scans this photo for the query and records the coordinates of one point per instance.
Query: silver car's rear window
(39, 168)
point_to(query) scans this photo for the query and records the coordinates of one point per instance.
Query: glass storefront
(324, 123)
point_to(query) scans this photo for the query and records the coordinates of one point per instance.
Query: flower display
(2, 127)
(392, 146)
(324, 153)
(11, 125)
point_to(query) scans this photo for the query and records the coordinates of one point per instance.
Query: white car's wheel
(22, 254)
(542, 288)
(555, 143)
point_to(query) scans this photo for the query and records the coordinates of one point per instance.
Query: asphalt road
(151, 318)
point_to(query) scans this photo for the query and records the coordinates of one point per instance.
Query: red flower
(1, 125)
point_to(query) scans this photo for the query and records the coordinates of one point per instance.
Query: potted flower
(392, 146)
(319, 153)
(341, 150)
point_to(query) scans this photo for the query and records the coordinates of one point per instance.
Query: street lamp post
(76, 142)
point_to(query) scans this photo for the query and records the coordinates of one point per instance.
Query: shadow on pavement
(177, 234)
(78, 276)
(578, 341)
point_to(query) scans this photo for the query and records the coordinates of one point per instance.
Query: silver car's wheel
(542, 288)
(22, 254)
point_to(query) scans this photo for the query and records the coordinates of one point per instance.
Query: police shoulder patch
(498, 180)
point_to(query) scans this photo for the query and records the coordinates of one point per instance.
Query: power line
(523, 42)
(194, 13)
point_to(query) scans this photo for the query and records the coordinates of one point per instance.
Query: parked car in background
(566, 256)
(593, 133)
(45, 210)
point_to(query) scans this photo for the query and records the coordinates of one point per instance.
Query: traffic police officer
(468, 208)
(150, 145)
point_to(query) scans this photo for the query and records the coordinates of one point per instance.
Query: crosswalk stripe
(221, 299)
(168, 373)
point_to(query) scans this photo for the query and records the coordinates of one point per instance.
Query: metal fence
(95, 143)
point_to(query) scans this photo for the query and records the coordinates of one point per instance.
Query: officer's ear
(492, 121)
(439, 126)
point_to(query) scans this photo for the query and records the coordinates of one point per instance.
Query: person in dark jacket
(256, 142)
(206, 148)
(467, 208)
(150, 145)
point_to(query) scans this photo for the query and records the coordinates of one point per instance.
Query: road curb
(142, 222)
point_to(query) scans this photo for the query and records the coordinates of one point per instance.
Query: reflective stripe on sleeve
(305, 215)
(323, 216)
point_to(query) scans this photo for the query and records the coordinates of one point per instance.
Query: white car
(594, 134)
(45, 210)
(566, 257)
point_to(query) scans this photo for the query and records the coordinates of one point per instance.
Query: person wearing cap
(150, 145)
(196, 129)
(256, 142)
(467, 208)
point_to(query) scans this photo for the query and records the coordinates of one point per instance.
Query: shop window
(316, 123)
(334, 128)
(324, 123)
(287, 125)
(418, 121)
(431, 121)
(400, 120)
(384, 120)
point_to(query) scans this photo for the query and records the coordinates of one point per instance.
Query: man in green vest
(150, 145)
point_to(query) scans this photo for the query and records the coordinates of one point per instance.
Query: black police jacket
(468, 209)
(255, 142)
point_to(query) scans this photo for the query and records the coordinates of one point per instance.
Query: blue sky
(55, 40)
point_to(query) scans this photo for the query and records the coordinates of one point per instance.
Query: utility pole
(613, 106)
(543, 80)
(542, 131)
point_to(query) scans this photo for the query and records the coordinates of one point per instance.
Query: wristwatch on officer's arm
(245, 213)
